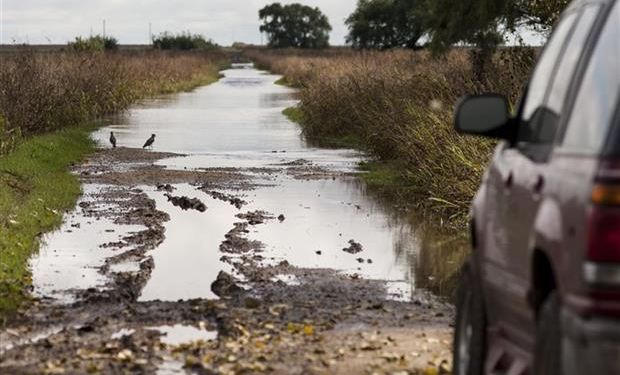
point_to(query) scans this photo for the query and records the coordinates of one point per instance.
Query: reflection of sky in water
(237, 122)
(241, 112)
(69, 258)
(187, 262)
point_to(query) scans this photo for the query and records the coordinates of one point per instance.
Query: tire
(469, 351)
(547, 353)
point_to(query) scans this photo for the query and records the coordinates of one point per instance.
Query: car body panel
(534, 203)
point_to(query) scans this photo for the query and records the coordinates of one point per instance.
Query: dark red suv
(541, 291)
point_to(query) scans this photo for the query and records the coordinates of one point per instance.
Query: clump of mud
(166, 187)
(186, 203)
(255, 217)
(237, 243)
(354, 247)
(233, 200)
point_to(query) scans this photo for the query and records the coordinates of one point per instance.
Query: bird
(113, 139)
(150, 141)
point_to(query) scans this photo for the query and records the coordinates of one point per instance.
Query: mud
(267, 315)
(324, 323)
(186, 203)
(233, 200)
(354, 248)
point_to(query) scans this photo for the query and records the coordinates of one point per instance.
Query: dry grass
(398, 106)
(42, 92)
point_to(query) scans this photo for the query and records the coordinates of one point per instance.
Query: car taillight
(604, 234)
(604, 220)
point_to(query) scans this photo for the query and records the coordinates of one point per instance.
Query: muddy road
(231, 247)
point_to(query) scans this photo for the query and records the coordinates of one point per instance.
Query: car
(540, 292)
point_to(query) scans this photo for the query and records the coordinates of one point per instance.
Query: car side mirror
(485, 115)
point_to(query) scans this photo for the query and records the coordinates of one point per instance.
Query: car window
(540, 80)
(547, 130)
(598, 94)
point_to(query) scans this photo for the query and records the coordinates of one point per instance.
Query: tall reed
(42, 92)
(399, 106)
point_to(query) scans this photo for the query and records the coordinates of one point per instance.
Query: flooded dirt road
(229, 247)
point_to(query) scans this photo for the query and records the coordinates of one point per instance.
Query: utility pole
(150, 34)
(104, 29)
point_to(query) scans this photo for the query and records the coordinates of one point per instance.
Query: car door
(517, 182)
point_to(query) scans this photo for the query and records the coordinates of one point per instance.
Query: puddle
(122, 333)
(287, 279)
(237, 123)
(125, 267)
(187, 262)
(69, 258)
(401, 291)
(170, 366)
(321, 218)
(181, 334)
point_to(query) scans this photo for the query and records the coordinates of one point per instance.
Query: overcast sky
(58, 21)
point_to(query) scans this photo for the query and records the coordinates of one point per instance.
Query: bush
(94, 44)
(49, 91)
(184, 41)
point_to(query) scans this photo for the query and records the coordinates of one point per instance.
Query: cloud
(58, 21)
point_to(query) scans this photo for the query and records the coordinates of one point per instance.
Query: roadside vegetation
(46, 102)
(45, 92)
(398, 106)
(35, 190)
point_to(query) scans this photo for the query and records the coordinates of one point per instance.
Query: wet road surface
(266, 259)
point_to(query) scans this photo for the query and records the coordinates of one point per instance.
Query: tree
(384, 24)
(295, 25)
(543, 14)
(485, 22)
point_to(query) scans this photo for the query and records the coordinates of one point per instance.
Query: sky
(225, 21)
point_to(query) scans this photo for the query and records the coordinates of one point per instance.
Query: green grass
(382, 174)
(205, 78)
(294, 114)
(35, 189)
(282, 82)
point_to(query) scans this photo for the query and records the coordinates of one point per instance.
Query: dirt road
(126, 285)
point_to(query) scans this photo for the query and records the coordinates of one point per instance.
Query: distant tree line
(384, 24)
(184, 41)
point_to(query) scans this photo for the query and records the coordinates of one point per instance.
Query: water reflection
(237, 123)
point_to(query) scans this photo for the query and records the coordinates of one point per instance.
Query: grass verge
(35, 190)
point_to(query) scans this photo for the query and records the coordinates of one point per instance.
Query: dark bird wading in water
(113, 139)
(150, 141)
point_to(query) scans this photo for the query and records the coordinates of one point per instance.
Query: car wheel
(470, 328)
(547, 360)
